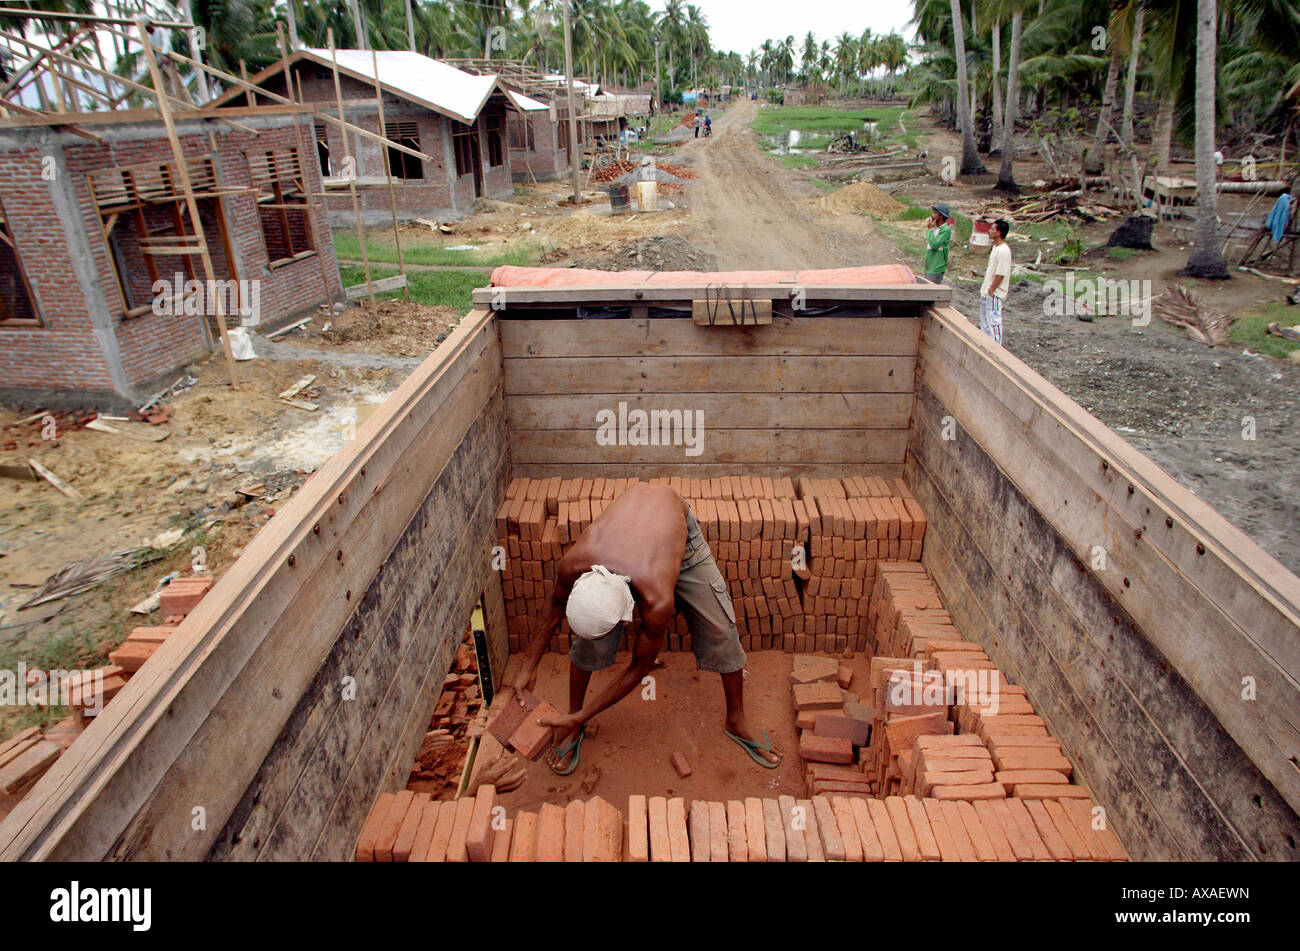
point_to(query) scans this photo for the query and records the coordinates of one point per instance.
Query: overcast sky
(742, 25)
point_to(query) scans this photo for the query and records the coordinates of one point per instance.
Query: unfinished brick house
(457, 120)
(91, 221)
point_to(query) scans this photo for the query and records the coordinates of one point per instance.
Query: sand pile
(860, 198)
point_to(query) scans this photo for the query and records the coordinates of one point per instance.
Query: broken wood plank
(394, 283)
(302, 404)
(143, 432)
(298, 387)
(55, 481)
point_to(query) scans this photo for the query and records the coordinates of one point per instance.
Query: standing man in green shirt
(938, 239)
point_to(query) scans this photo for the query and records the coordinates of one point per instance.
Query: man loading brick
(645, 549)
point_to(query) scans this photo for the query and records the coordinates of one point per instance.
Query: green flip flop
(752, 747)
(574, 748)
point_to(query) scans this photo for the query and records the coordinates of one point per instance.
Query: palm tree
(1094, 161)
(1006, 172)
(970, 157)
(1130, 79)
(1206, 259)
(672, 26)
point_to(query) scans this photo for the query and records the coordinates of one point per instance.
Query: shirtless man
(645, 549)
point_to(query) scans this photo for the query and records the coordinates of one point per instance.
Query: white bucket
(647, 196)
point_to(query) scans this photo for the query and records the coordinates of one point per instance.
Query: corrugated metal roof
(443, 88)
(524, 103)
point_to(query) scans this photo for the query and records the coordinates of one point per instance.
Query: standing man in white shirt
(997, 278)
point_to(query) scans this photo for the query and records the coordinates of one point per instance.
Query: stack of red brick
(763, 533)
(946, 721)
(408, 827)
(854, 523)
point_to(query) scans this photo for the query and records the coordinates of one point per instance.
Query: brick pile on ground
(854, 523)
(441, 757)
(799, 570)
(407, 827)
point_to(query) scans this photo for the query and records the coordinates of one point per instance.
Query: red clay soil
(635, 738)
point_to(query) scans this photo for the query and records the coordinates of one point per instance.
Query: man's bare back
(642, 534)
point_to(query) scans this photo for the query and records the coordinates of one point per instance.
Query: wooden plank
(55, 481)
(499, 298)
(1268, 606)
(792, 468)
(325, 732)
(734, 447)
(1188, 627)
(357, 291)
(268, 621)
(739, 374)
(721, 410)
(678, 336)
(719, 312)
(27, 765)
(1143, 742)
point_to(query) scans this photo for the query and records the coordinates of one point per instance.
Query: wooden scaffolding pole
(352, 177)
(388, 173)
(191, 203)
(303, 157)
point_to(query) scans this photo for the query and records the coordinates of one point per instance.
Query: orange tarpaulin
(510, 276)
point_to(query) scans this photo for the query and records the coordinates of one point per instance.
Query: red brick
(943, 836)
(699, 828)
(393, 820)
(530, 739)
(884, 827)
(774, 831)
(1047, 830)
(602, 839)
(926, 843)
(523, 840)
(838, 726)
(679, 763)
(1017, 816)
(456, 850)
(1103, 838)
(1050, 791)
(903, 831)
(811, 836)
(1010, 778)
(424, 833)
(829, 830)
(183, 595)
(478, 838)
(821, 749)
(1019, 758)
(902, 731)
(660, 841)
(755, 830)
(930, 781)
(638, 829)
(509, 714)
(441, 837)
(868, 839)
(970, 793)
(550, 833)
(405, 840)
(979, 838)
(375, 824)
(1077, 845)
(957, 829)
(995, 830)
(737, 832)
(842, 809)
(574, 820)
(501, 843)
(718, 833)
(679, 840)
(818, 696)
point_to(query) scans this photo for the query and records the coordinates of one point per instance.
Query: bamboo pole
(388, 173)
(191, 203)
(575, 156)
(352, 178)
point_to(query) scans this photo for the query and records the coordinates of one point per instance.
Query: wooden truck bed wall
(300, 687)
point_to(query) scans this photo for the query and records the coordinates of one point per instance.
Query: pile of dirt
(584, 228)
(860, 198)
(395, 327)
(661, 252)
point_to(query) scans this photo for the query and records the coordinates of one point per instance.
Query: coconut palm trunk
(1130, 80)
(1206, 259)
(1095, 162)
(1164, 134)
(970, 157)
(1006, 173)
(997, 88)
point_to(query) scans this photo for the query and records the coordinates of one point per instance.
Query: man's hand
(526, 679)
(565, 724)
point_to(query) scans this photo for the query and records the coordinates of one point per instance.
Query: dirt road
(753, 214)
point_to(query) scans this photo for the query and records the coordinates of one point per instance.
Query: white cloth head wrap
(599, 600)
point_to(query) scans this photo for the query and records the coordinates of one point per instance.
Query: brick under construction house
(456, 118)
(107, 288)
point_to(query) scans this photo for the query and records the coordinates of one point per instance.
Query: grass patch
(913, 213)
(435, 288)
(1120, 254)
(799, 161)
(1251, 328)
(382, 248)
(825, 185)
